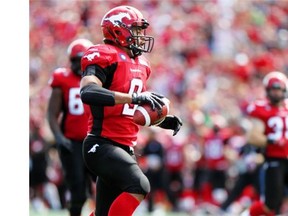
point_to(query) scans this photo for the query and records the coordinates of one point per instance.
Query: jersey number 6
(74, 102)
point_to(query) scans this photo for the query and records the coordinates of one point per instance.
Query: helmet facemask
(140, 41)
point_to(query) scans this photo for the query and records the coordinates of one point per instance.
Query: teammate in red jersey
(113, 83)
(269, 130)
(69, 133)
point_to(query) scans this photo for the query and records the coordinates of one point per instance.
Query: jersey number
(74, 102)
(135, 86)
(277, 124)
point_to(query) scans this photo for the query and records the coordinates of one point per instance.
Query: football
(145, 116)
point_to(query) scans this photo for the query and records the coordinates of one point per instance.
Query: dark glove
(155, 100)
(63, 141)
(171, 122)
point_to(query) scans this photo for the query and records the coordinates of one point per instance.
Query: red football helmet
(75, 52)
(275, 80)
(78, 47)
(118, 25)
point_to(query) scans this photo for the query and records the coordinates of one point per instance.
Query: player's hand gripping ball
(144, 115)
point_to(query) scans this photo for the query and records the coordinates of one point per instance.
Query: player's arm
(53, 113)
(93, 93)
(54, 110)
(255, 134)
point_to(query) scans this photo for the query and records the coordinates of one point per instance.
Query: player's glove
(171, 122)
(154, 99)
(63, 142)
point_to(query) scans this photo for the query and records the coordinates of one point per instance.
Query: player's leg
(241, 183)
(274, 185)
(106, 194)
(78, 180)
(118, 169)
(133, 183)
(112, 201)
(73, 165)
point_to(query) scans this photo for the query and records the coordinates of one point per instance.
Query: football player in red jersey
(69, 133)
(113, 83)
(269, 130)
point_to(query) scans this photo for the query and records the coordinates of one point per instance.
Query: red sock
(123, 205)
(258, 209)
(92, 213)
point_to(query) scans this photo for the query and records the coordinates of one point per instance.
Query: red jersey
(119, 73)
(276, 125)
(75, 115)
(174, 158)
(214, 145)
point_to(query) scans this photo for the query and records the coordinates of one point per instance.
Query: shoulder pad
(61, 70)
(256, 108)
(101, 54)
(261, 103)
(58, 75)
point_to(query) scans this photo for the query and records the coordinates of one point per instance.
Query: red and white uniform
(174, 158)
(122, 74)
(214, 145)
(75, 115)
(276, 125)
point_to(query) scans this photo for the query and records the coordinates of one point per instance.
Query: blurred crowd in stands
(209, 59)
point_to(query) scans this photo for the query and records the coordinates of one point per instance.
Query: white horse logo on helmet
(115, 19)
